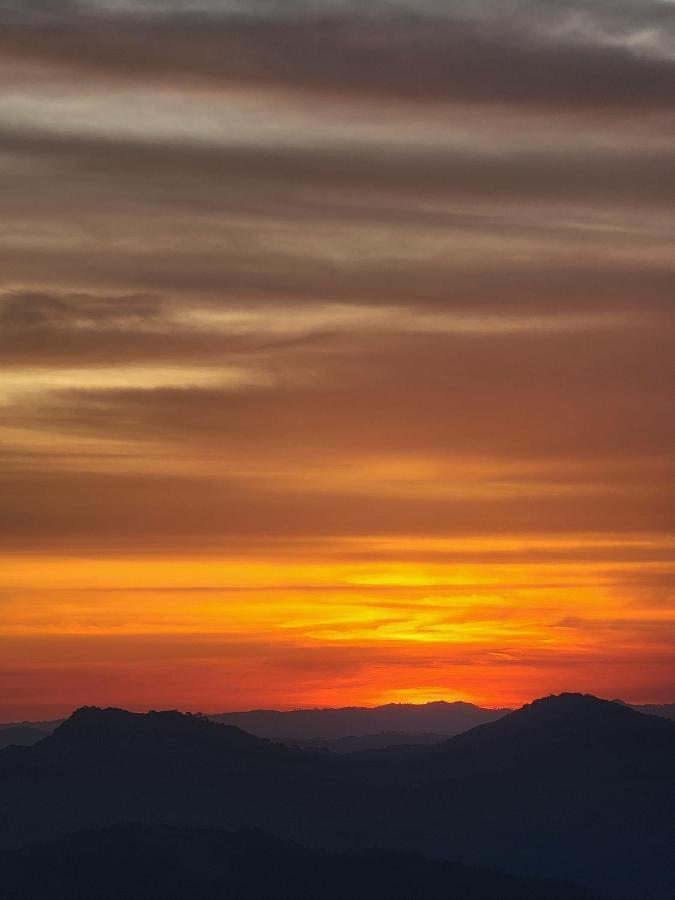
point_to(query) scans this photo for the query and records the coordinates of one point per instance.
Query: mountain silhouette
(665, 710)
(439, 717)
(20, 736)
(95, 731)
(378, 726)
(43, 725)
(551, 724)
(360, 742)
(138, 863)
(567, 787)
(567, 783)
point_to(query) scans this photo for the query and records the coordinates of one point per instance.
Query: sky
(336, 352)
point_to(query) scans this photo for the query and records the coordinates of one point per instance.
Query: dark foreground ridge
(567, 787)
(137, 862)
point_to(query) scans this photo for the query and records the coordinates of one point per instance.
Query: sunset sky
(336, 347)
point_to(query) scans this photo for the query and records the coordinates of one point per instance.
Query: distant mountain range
(567, 787)
(342, 730)
(20, 735)
(440, 718)
(665, 710)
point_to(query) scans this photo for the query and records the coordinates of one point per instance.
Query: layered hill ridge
(437, 717)
(546, 724)
(20, 736)
(549, 720)
(141, 862)
(563, 787)
(365, 727)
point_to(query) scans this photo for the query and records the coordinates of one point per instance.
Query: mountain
(360, 742)
(138, 862)
(567, 721)
(665, 710)
(567, 784)
(20, 736)
(439, 717)
(110, 732)
(46, 726)
(370, 727)
(568, 787)
(103, 766)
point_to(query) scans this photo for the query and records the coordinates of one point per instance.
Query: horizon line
(282, 711)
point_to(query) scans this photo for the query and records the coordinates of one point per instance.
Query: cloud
(573, 435)
(536, 53)
(34, 311)
(366, 178)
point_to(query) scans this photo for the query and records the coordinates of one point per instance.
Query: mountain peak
(550, 723)
(112, 721)
(572, 700)
(573, 714)
(579, 708)
(92, 728)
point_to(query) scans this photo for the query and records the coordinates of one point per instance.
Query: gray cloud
(533, 52)
(356, 175)
(30, 311)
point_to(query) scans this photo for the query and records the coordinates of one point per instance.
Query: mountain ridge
(249, 865)
(269, 724)
(555, 789)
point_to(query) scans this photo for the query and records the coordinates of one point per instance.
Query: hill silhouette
(365, 727)
(580, 722)
(665, 710)
(568, 786)
(568, 776)
(20, 736)
(438, 717)
(42, 725)
(139, 863)
(95, 731)
(360, 742)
